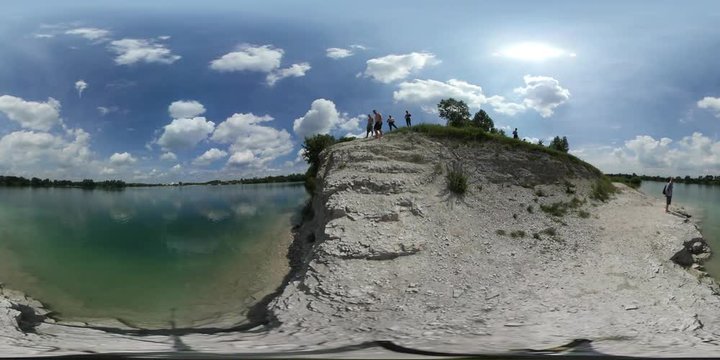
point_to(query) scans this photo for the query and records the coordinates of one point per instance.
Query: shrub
(517, 234)
(536, 236)
(500, 232)
(583, 214)
(602, 189)
(549, 231)
(457, 180)
(540, 193)
(558, 209)
(530, 209)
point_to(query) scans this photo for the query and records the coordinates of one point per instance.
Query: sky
(168, 91)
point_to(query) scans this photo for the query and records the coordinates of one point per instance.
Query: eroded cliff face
(391, 253)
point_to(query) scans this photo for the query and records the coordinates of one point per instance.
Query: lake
(191, 254)
(705, 202)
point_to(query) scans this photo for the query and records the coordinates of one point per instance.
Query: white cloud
(691, 155)
(44, 36)
(210, 156)
(131, 51)
(295, 70)
(338, 53)
(185, 109)
(176, 168)
(248, 57)
(168, 156)
(323, 118)
(389, 68)
(30, 114)
(247, 135)
(122, 159)
(104, 110)
(240, 158)
(36, 153)
(710, 103)
(320, 119)
(89, 33)
(543, 94)
(185, 133)
(432, 91)
(80, 86)
(108, 171)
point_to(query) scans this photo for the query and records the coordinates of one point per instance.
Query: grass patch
(417, 158)
(631, 181)
(457, 181)
(583, 214)
(549, 231)
(536, 236)
(569, 187)
(558, 209)
(438, 169)
(540, 193)
(500, 232)
(530, 209)
(602, 189)
(517, 234)
(472, 134)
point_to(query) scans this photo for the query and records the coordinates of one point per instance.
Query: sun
(532, 51)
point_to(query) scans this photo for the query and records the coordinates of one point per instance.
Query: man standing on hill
(407, 119)
(667, 191)
(378, 124)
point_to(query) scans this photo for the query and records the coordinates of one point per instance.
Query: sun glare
(532, 52)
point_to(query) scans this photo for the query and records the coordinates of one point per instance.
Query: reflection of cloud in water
(192, 245)
(245, 210)
(121, 215)
(216, 215)
(170, 216)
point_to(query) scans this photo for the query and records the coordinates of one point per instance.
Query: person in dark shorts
(407, 119)
(515, 134)
(667, 191)
(369, 127)
(391, 123)
(378, 125)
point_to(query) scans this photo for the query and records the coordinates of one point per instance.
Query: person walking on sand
(378, 125)
(407, 119)
(667, 191)
(391, 123)
(369, 127)
(515, 134)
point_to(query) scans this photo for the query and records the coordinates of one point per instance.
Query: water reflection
(139, 252)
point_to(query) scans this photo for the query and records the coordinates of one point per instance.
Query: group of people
(375, 120)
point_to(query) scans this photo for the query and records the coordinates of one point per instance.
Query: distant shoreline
(88, 184)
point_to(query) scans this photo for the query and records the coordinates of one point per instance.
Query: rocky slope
(391, 254)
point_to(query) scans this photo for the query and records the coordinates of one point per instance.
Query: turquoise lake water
(147, 255)
(705, 202)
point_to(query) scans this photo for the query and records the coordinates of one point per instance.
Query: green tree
(559, 144)
(483, 120)
(456, 112)
(313, 146)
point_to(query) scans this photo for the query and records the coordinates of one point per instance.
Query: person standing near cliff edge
(378, 125)
(369, 128)
(408, 122)
(667, 191)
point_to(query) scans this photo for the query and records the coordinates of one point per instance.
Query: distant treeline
(634, 180)
(19, 181)
(256, 180)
